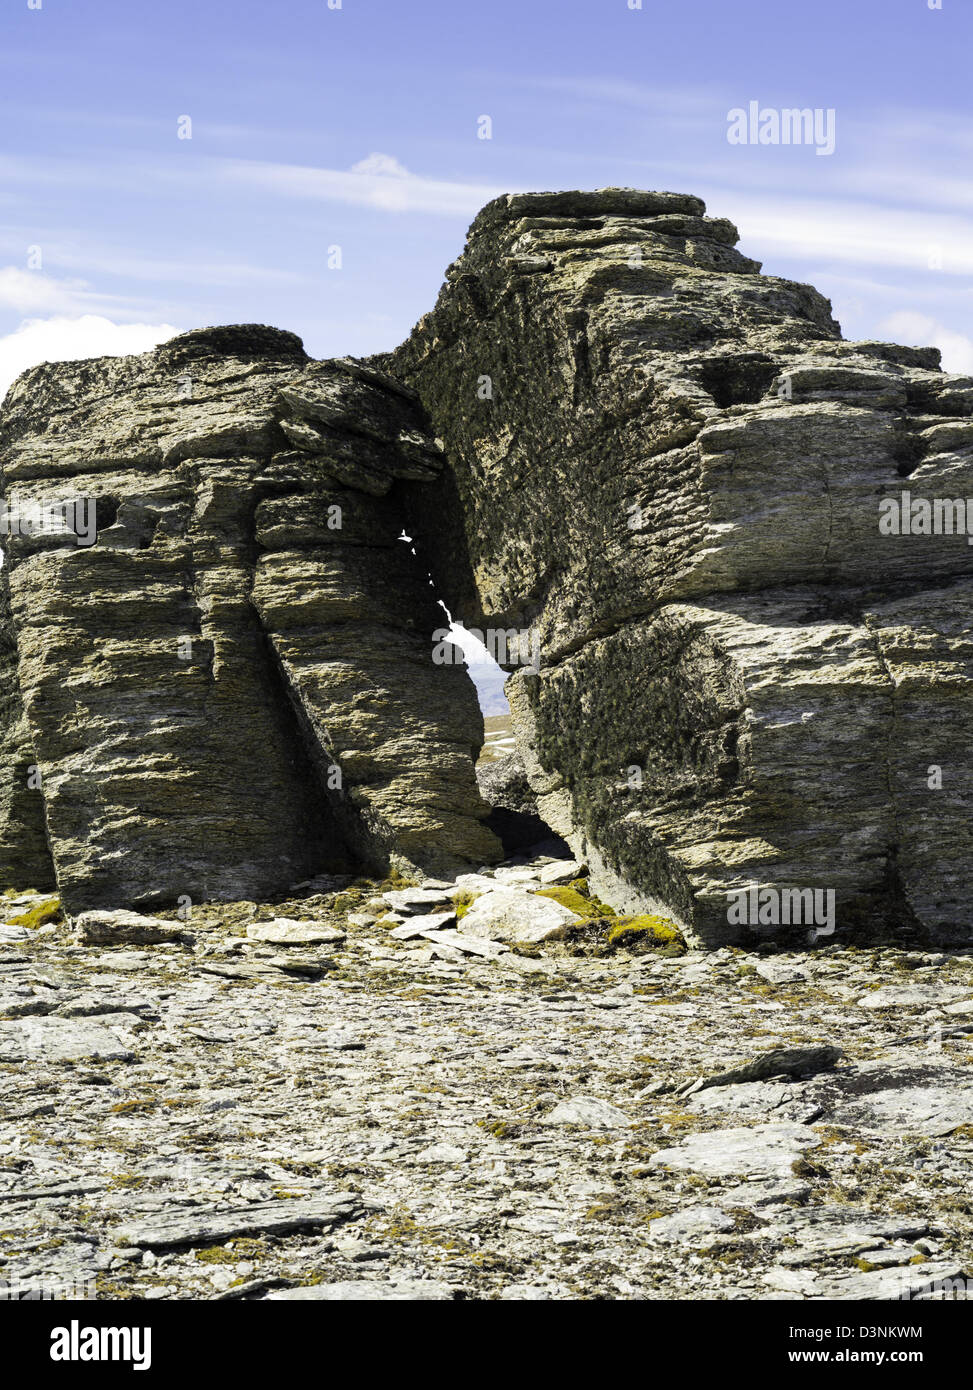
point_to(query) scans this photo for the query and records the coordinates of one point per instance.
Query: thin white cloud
(109, 260)
(29, 292)
(35, 292)
(63, 339)
(378, 181)
(849, 232)
(922, 330)
(381, 164)
(676, 102)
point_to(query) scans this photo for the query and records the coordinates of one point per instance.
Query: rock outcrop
(668, 469)
(741, 681)
(226, 685)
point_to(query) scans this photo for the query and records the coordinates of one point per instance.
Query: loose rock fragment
(284, 931)
(506, 914)
(588, 1111)
(760, 1151)
(107, 928)
(65, 1039)
(784, 1061)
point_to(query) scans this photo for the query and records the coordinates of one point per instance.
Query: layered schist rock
(232, 688)
(670, 468)
(657, 474)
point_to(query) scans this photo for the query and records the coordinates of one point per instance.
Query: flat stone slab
(758, 1150)
(588, 1111)
(526, 1293)
(285, 931)
(89, 1004)
(514, 876)
(261, 1218)
(937, 1279)
(105, 928)
(929, 1110)
(753, 1195)
(561, 871)
(442, 1153)
(419, 926)
(72, 1188)
(745, 1100)
(54, 1039)
(780, 972)
(368, 1291)
(410, 900)
(688, 1224)
(505, 914)
(23, 1001)
(911, 996)
(469, 945)
(472, 884)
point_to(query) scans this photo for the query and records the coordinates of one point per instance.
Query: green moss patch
(39, 915)
(245, 1248)
(580, 903)
(646, 933)
(462, 903)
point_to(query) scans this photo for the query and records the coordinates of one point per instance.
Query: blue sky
(315, 127)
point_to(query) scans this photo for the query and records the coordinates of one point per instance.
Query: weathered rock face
(656, 473)
(670, 469)
(232, 687)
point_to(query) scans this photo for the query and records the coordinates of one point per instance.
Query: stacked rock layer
(671, 470)
(231, 689)
(663, 478)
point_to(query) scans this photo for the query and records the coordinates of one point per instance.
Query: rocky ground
(312, 1100)
(498, 737)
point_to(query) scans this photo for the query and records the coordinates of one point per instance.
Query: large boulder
(666, 474)
(218, 680)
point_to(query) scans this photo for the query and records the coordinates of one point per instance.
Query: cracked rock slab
(55, 1039)
(263, 1218)
(284, 931)
(759, 1151)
